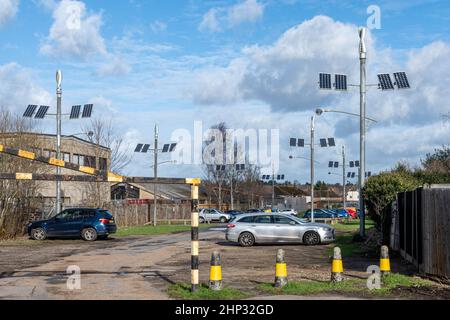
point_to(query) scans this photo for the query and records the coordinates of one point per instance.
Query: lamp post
(313, 119)
(58, 136)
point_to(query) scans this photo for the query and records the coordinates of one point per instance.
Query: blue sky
(250, 63)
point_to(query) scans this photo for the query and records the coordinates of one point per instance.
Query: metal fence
(421, 228)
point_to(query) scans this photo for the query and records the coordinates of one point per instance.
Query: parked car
(289, 211)
(319, 214)
(234, 213)
(213, 215)
(249, 229)
(89, 224)
(353, 212)
(340, 213)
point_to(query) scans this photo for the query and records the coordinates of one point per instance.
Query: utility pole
(155, 174)
(344, 197)
(273, 185)
(58, 137)
(362, 146)
(313, 118)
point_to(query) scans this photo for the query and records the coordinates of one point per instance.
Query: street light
(320, 111)
(145, 148)
(330, 142)
(42, 112)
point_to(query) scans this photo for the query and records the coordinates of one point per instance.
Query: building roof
(46, 135)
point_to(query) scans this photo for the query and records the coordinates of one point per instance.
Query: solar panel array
(325, 81)
(30, 111)
(351, 175)
(220, 168)
(293, 142)
(401, 80)
(87, 111)
(323, 143)
(75, 113)
(385, 82)
(354, 164)
(42, 112)
(333, 164)
(331, 142)
(240, 167)
(340, 82)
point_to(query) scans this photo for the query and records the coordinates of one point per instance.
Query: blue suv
(89, 224)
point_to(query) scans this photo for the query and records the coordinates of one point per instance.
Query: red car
(352, 212)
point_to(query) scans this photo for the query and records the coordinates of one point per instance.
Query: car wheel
(89, 234)
(201, 220)
(223, 220)
(311, 238)
(39, 234)
(246, 239)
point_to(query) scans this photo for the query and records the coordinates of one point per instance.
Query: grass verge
(355, 286)
(151, 230)
(183, 292)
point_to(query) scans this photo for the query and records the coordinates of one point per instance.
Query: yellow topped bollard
(280, 270)
(385, 263)
(337, 268)
(215, 274)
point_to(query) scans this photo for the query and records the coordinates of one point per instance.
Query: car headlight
(326, 229)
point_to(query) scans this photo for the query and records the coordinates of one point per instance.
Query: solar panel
(331, 142)
(145, 148)
(240, 167)
(325, 81)
(336, 164)
(138, 147)
(75, 113)
(301, 143)
(172, 147)
(278, 177)
(323, 143)
(340, 82)
(353, 174)
(87, 111)
(330, 164)
(401, 80)
(282, 177)
(368, 174)
(352, 164)
(293, 142)
(385, 82)
(30, 111)
(357, 164)
(166, 148)
(42, 112)
(349, 175)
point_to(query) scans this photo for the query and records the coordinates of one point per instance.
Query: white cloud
(75, 32)
(8, 10)
(47, 4)
(217, 18)
(19, 88)
(158, 26)
(116, 66)
(247, 11)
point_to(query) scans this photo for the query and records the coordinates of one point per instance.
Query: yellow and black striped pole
(337, 268)
(194, 234)
(280, 270)
(385, 263)
(215, 274)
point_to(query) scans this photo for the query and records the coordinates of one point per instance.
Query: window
(246, 219)
(102, 163)
(49, 153)
(89, 161)
(282, 220)
(66, 156)
(77, 159)
(263, 219)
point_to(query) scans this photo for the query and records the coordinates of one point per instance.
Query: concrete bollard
(337, 268)
(385, 263)
(280, 270)
(215, 274)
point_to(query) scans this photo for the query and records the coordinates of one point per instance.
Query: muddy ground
(144, 267)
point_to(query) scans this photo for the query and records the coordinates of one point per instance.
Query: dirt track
(143, 267)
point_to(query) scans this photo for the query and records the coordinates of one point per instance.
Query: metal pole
(155, 173)
(194, 238)
(344, 197)
(58, 137)
(231, 191)
(362, 147)
(273, 185)
(313, 118)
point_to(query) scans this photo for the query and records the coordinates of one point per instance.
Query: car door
(286, 229)
(56, 227)
(74, 223)
(264, 228)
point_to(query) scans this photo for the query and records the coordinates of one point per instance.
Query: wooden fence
(127, 215)
(421, 228)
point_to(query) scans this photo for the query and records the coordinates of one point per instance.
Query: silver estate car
(248, 229)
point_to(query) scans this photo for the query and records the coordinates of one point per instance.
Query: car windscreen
(106, 214)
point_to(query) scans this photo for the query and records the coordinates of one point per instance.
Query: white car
(289, 211)
(213, 215)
